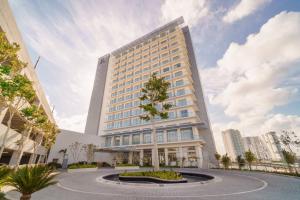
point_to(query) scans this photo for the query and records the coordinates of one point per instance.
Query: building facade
(272, 141)
(233, 143)
(185, 138)
(258, 147)
(9, 26)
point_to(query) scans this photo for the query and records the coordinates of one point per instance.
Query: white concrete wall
(67, 138)
(12, 139)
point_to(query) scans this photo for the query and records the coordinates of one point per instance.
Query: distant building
(272, 141)
(257, 146)
(233, 143)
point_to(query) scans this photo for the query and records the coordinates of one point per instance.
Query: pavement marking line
(265, 184)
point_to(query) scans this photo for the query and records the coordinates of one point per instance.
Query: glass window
(147, 138)
(177, 74)
(127, 113)
(136, 121)
(172, 135)
(160, 136)
(184, 113)
(182, 102)
(186, 134)
(177, 65)
(172, 115)
(179, 83)
(136, 139)
(180, 92)
(117, 140)
(127, 123)
(166, 69)
(125, 140)
(108, 141)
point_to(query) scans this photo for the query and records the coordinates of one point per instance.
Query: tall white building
(258, 147)
(272, 141)
(233, 143)
(183, 139)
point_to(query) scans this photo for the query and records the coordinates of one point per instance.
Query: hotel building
(185, 139)
(10, 154)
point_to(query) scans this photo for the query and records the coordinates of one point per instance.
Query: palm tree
(154, 94)
(226, 161)
(250, 158)
(4, 171)
(30, 179)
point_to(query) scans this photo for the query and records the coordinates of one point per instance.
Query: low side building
(9, 26)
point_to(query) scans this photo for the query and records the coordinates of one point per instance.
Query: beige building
(185, 138)
(9, 26)
(233, 143)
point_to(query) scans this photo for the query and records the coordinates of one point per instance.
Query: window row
(146, 42)
(138, 121)
(147, 76)
(154, 64)
(173, 135)
(177, 83)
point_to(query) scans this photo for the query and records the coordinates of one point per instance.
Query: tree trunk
(6, 132)
(155, 148)
(25, 197)
(250, 167)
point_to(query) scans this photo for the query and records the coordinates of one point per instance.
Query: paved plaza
(229, 185)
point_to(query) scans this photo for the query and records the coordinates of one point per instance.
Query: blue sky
(248, 53)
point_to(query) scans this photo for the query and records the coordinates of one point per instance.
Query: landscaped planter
(83, 170)
(126, 167)
(150, 179)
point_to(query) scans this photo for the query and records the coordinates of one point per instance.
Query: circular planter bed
(150, 179)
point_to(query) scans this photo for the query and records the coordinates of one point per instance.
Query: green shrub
(79, 166)
(54, 165)
(126, 165)
(167, 175)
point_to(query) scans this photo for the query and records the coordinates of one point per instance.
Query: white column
(130, 156)
(141, 157)
(178, 134)
(166, 157)
(130, 139)
(180, 157)
(195, 133)
(141, 138)
(199, 156)
(165, 136)
(152, 157)
(2, 115)
(121, 140)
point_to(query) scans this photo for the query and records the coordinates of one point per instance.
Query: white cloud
(72, 36)
(243, 9)
(248, 81)
(191, 10)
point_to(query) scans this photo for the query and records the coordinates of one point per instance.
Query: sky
(248, 54)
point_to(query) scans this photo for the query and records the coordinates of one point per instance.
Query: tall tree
(290, 159)
(154, 95)
(218, 157)
(226, 161)
(250, 158)
(241, 161)
(17, 93)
